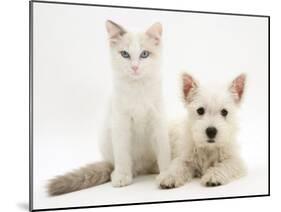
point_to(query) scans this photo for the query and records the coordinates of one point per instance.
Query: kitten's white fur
(216, 163)
(135, 136)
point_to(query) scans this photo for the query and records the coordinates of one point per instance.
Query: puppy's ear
(155, 32)
(189, 87)
(114, 31)
(237, 87)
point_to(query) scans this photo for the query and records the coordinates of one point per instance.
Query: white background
(72, 78)
(14, 107)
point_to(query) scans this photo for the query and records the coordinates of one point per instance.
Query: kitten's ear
(189, 87)
(155, 32)
(237, 87)
(114, 31)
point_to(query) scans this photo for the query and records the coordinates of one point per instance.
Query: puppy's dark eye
(124, 54)
(224, 112)
(201, 111)
(144, 54)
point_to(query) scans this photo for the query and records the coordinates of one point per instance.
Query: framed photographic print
(136, 105)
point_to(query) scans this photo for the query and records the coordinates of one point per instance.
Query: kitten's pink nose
(135, 68)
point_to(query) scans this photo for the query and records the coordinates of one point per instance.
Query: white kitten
(204, 145)
(134, 139)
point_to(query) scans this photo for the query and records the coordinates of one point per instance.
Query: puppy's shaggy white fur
(204, 144)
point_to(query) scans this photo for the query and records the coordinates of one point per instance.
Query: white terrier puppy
(204, 144)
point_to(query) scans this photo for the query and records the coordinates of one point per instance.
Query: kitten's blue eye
(124, 54)
(144, 54)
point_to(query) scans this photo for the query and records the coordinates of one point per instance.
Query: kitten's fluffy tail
(85, 177)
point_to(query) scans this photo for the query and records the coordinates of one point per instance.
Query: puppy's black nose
(211, 132)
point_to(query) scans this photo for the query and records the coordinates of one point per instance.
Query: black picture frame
(31, 3)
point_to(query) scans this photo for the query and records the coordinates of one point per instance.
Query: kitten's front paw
(120, 179)
(168, 180)
(213, 178)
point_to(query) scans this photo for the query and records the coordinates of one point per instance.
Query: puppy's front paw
(168, 180)
(213, 178)
(212, 184)
(120, 179)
